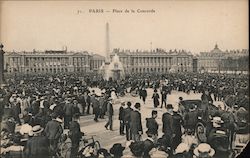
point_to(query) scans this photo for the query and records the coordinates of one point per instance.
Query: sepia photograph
(124, 79)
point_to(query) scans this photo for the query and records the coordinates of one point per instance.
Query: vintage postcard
(123, 79)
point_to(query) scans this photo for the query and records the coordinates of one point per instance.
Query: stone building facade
(154, 61)
(157, 61)
(217, 60)
(47, 62)
(96, 62)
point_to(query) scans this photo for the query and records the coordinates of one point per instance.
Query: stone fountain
(112, 70)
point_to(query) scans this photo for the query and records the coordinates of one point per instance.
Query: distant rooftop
(52, 52)
(151, 52)
(216, 52)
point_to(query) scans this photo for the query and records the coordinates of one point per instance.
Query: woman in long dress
(155, 98)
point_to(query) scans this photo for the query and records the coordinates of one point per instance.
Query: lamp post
(1, 64)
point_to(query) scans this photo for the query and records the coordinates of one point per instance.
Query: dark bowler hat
(117, 149)
(170, 106)
(137, 105)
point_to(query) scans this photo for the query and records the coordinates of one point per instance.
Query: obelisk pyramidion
(107, 44)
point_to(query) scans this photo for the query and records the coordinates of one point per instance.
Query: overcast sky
(191, 25)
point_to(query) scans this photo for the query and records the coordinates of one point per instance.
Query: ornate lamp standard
(1, 64)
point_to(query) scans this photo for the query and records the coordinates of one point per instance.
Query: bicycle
(63, 145)
(83, 146)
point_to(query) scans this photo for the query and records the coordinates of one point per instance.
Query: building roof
(98, 56)
(157, 51)
(216, 50)
(49, 53)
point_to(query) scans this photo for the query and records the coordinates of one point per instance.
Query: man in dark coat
(92, 99)
(16, 106)
(206, 97)
(38, 145)
(75, 135)
(177, 122)
(191, 118)
(152, 125)
(164, 97)
(167, 129)
(102, 102)
(86, 102)
(144, 94)
(96, 107)
(53, 132)
(35, 105)
(68, 111)
(80, 100)
(121, 118)
(127, 120)
(148, 145)
(110, 113)
(135, 124)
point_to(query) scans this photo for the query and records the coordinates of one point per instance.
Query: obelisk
(1, 64)
(107, 44)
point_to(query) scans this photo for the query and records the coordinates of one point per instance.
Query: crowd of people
(44, 106)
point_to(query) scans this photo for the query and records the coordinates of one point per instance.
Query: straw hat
(204, 150)
(59, 120)
(217, 120)
(37, 129)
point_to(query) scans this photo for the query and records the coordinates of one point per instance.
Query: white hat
(217, 120)
(25, 129)
(181, 148)
(59, 120)
(204, 150)
(14, 95)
